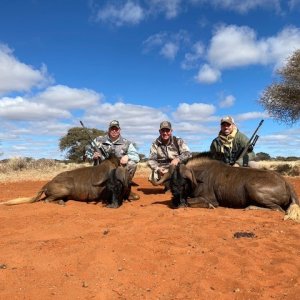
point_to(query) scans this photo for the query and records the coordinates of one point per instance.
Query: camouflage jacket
(120, 147)
(162, 155)
(230, 155)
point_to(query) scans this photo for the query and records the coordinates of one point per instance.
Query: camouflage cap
(165, 124)
(227, 119)
(114, 123)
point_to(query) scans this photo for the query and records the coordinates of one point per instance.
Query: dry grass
(24, 169)
(286, 168)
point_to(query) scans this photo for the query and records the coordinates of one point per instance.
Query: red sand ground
(144, 250)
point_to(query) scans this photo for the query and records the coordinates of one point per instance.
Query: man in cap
(166, 150)
(114, 143)
(230, 143)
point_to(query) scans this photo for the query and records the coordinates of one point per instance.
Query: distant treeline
(260, 156)
(288, 166)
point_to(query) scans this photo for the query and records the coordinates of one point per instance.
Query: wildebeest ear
(122, 175)
(188, 173)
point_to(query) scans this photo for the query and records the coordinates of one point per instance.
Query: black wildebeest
(207, 183)
(107, 182)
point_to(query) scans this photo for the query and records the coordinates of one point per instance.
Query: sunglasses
(165, 130)
(114, 128)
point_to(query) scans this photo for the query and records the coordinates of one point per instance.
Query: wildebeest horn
(188, 173)
(164, 178)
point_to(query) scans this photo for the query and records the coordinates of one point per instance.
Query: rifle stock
(251, 143)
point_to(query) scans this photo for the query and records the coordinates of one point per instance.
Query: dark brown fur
(85, 184)
(203, 182)
(220, 184)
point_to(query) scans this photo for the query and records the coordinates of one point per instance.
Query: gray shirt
(120, 147)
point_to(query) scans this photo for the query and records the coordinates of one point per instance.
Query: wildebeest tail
(293, 211)
(25, 199)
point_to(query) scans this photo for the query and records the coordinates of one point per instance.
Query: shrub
(287, 169)
(27, 163)
(283, 169)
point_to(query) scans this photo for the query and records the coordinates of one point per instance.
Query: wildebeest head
(182, 183)
(118, 185)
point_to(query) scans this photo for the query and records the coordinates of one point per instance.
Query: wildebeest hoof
(112, 205)
(211, 206)
(60, 202)
(254, 207)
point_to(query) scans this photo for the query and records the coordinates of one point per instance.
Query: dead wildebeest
(207, 183)
(107, 182)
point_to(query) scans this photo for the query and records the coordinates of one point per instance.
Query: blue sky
(141, 62)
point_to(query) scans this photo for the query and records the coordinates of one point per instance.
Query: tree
(282, 100)
(76, 141)
(263, 156)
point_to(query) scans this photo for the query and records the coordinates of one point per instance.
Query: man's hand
(175, 161)
(162, 171)
(124, 160)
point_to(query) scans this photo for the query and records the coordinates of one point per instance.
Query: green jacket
(230, 155)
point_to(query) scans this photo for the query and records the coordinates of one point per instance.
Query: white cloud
(293, 4)
(171, 8)
(127, 14)
(153, 41)
(228, 101)
(191, 59)
(132, 12)
(207, 74)
(131, 117)
(20, 109)
(17, 76)
(280, 47)
(167, 44)
(64, 97)
(234, 46)
(241, 6)
(276, 138)
(169, 50)
(251, 116)
(194, 112)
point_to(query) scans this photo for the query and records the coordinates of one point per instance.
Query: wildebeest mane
(198, 160)
(114, 159)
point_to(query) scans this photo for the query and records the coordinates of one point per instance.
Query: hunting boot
(133, 196)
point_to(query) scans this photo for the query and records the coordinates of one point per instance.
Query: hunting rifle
(250, 144)
(100, 149)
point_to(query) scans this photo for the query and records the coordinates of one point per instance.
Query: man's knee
(254, 164)
(131, 167)
(154, 176)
